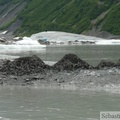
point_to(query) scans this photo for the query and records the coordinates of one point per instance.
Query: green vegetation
(8, 24)
(11, 1)
(68, 15)
(63, 15)
(4, 2)
(112, 21)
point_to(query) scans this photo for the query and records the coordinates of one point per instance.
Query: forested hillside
(76, 16)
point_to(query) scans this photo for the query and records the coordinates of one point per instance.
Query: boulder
(24, 65)
(105, 64)
(71, 62)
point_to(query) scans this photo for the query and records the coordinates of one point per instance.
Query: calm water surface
(25, 103)
(93, 54)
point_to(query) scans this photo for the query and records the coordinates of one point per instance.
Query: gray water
(27, 103)
(92, 54)
(31, 103)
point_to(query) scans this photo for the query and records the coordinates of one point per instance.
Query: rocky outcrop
(105, 64)
(71, 62)
(24, 65)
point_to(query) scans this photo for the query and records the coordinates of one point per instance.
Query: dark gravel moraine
(69, 70)
(24, 65)
(71, 62)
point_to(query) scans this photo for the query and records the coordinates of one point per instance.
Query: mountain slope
(76, 16)
(112, 21)
(9, 10)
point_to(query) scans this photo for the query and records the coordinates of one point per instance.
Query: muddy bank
(70, 70)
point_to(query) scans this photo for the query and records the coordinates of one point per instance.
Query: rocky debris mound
(71, 62)
(2, 62)
(117, 64)
(24, 65)
(105, 64)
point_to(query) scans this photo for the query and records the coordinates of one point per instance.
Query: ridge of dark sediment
(118, 64)
(105, 64)
(30, 70)
(24, 65)
(71, 62)
(33, 64)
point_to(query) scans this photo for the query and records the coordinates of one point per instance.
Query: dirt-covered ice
(65, 38)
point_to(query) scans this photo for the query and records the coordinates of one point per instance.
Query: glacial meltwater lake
(35, 103)
(92, 54)
(29, 103)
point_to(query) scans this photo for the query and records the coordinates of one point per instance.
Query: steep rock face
(9, 11)
(71, 62)
(24, 65)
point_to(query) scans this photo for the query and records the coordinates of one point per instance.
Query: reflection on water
(27, 103)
